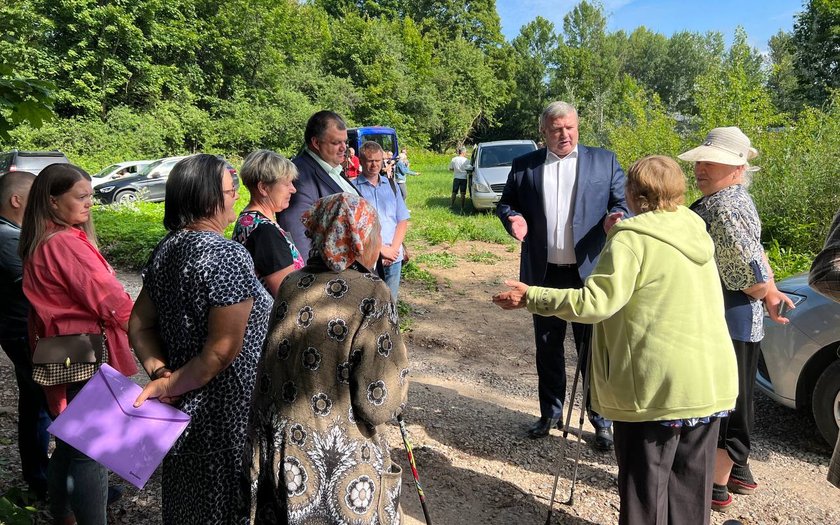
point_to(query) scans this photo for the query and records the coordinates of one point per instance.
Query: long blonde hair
(55, 180)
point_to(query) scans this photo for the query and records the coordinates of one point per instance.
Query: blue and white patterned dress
(189, 273)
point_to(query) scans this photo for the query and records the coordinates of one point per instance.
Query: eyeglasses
(232, 192)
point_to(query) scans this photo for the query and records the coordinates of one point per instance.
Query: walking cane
(561, 456)
(408, 451)
(571, 500)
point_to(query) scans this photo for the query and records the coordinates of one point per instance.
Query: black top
(14, 307)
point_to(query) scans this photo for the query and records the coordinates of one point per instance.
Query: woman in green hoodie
(662, 366)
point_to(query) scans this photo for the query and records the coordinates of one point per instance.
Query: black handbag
(68, 358)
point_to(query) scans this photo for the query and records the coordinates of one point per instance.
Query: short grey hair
(554, 110)
(461, 149)
(267, 167)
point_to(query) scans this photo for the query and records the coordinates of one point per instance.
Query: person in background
(401, 171)
(319, 172)
(380, 192)
(559, 203)
(825, 278)
(404, 157)
(33, 420)
(334, 371)
(662, 363)
(269, 178)
(458, 166)
(388, 163)
(197, 328)
(351, 164)
(720, 165)
(72, 290)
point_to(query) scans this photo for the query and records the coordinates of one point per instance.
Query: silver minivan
(489, 167)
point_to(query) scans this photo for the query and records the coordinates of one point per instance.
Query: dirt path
(473, 393)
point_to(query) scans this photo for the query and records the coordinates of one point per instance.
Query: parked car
(489, 167)
(118, 170)
(386, 137)
(799, 366)
(149, 184)
(31, 161)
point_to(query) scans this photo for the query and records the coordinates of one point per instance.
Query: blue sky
(761, 18)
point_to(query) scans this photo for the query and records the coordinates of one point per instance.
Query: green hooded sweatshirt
(661, 348)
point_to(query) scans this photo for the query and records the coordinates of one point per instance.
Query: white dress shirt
(334, 172)
(559, 186)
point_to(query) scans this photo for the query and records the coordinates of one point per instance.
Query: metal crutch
(571, 500)
(561, 456)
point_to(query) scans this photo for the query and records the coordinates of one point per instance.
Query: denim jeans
(392, 278)
(33, 420)
(77, 485)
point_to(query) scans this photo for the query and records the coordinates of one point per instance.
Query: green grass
(482, 257)
(437, 260)
(432, 220)
(413, 273)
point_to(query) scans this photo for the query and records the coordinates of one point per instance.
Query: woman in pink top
(72, 290)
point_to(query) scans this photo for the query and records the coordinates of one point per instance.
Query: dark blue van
(386, 137)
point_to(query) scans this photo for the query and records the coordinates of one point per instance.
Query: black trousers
(736, 429)
(665, 474)
(549, 335)
(33, 418)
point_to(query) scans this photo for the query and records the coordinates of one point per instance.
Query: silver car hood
(495, 175)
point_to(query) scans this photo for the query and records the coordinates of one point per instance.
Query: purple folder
(102, 422)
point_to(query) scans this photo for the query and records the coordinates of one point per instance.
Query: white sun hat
(724, 146)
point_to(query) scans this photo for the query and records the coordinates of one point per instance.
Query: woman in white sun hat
(721, 164)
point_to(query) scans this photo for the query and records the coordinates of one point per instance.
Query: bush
(127, 233)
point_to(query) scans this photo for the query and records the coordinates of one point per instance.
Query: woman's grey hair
(554, 110)
(267, 167)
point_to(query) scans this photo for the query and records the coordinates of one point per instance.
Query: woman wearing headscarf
(197, 328)
(662, 365)
(72, 290)
(333, 371)
(269, 178)
(720, 168)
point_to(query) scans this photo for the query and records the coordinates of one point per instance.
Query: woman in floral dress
(333, 370)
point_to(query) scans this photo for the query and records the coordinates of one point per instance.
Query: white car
(489, 167)
(118, 170)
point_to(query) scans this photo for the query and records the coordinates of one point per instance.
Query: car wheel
(125, 197)
(825, 402)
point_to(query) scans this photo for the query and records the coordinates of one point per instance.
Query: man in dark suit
(319, 172)
(559, 201)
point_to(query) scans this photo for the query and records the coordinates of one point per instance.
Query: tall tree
(782, 80)
(816, 38)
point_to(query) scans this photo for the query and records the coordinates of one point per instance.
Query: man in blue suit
(559, 201)
(319, 172)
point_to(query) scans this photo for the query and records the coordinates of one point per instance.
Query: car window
(149, 167)
(104, 171)
(5, 161)
(385, 140)
(36, 164)
(502, 155)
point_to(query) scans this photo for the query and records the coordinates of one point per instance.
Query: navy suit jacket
(600, 190)
(312, 184)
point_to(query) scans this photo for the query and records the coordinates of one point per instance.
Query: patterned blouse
(270, 246)
(735, 228)
(333, 370)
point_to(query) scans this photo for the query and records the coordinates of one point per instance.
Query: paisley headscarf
(339, 226)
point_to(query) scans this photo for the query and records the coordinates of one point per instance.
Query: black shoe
(542, 427)
(603, 439)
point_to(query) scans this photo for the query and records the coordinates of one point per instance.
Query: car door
(156, 183)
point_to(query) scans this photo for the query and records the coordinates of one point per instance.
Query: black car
(149, 184)
(31, 161)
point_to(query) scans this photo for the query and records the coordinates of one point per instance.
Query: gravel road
(473, 393)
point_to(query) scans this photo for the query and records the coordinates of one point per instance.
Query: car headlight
(105, 189)
(481, 186)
